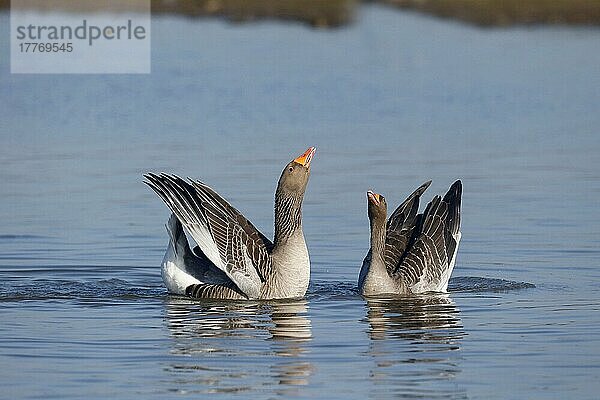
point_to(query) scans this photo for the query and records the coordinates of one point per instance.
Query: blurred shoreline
(493, 13)
(335, 13)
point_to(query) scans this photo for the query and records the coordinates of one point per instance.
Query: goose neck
(377, 237)
(288, 216)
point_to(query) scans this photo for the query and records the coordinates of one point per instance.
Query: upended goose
(233, 260)
(411, 253)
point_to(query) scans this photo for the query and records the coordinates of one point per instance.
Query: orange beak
(306, 158)
(374, 197)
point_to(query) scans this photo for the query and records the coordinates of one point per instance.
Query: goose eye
(291, 169)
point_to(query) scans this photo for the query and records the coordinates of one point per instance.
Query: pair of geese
(410, 252)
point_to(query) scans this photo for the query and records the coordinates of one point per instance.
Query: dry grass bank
(508, 12)
(332, 13)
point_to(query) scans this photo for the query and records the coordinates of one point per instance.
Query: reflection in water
(427, 318)
(290, 331)
(415, 340)
(233, 347)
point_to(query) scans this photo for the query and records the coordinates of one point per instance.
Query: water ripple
(45, 289)
(41, 289)
(477, 284)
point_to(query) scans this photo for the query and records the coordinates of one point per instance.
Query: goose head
(377, 207)
(294, 177)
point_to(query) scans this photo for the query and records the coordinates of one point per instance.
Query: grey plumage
(419, 250)
(214, 291)
(229, 243)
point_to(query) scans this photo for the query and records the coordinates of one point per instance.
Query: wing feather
(222, 233)
(400, 227)
(426, 263)
(233, 244)
(180, 197)
(209, 195)
(214, 291)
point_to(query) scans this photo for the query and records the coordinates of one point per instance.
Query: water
(391, 101)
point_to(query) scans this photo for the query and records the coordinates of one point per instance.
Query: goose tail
(173, 269)
(177, 238)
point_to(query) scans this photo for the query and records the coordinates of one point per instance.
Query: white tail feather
(173, 270)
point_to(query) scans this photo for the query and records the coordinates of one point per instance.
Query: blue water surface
(391, 101)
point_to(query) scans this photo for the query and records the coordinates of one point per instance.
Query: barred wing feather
(181, 198)
(235, 248)
(428, 259)
(220, 231)
(207, 194)
(400, 227)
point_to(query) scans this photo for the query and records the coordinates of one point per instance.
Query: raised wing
(453, 199)
(400, 227)
(218, 228)
(408, 208)
(212, 197)
(257, 243)
(426, 264)
(235, 248)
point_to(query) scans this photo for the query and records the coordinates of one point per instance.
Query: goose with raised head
(233, 260)
(411, 253)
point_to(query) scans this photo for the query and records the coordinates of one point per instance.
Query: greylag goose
(233, 260)
(412, 253)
